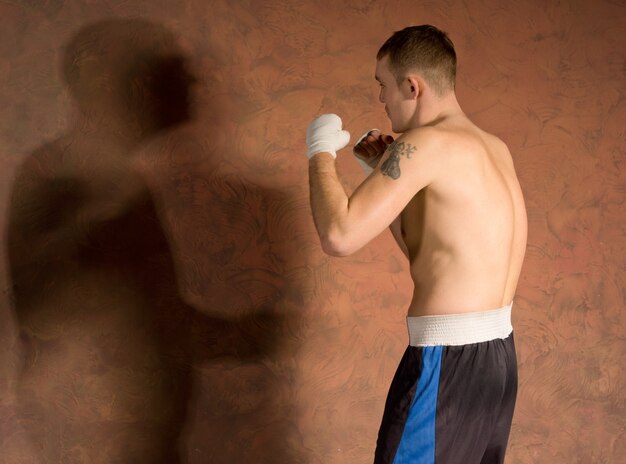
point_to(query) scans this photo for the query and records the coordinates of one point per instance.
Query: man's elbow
(337, 244)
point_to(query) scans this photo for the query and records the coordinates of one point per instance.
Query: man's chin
(396, 128)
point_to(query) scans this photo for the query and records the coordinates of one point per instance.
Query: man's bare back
(465, 233)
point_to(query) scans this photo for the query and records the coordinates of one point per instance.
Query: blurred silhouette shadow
(109, 344)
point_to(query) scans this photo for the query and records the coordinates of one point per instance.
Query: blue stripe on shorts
(417, 445)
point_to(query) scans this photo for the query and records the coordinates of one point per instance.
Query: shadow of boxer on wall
(110, 347)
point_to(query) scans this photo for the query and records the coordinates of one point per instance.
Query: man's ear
(413, 87)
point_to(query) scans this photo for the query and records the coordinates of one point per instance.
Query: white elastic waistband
(460, 329)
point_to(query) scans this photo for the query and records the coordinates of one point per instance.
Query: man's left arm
(345, 224)
(329, 201)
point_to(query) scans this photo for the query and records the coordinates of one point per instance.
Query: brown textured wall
(205, 324)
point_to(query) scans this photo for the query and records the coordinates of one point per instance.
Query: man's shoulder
(435, 144)
(416, 152)
(423, 141)
(422, 134)
(454, 138)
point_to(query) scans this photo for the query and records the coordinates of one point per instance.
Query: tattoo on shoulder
(391, 166)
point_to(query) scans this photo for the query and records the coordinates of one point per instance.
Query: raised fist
(325, 135)
(370, 148)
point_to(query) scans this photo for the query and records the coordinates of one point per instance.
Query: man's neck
(434, 109)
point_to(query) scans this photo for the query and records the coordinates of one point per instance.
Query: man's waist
(460, 329)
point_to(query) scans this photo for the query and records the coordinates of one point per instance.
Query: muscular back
(466, 231)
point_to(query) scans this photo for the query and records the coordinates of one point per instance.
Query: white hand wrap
(324, 134)
(367, 169)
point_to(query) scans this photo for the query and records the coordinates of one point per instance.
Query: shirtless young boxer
(449, 192)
